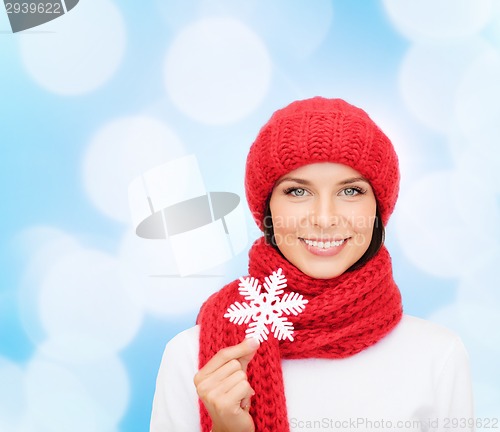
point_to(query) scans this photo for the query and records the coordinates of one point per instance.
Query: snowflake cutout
(266, 307)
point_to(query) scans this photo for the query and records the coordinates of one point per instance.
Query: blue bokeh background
(97, 97)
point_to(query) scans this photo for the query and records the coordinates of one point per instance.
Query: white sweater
(417, 378)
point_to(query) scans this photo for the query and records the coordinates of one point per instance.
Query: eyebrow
(308, 183)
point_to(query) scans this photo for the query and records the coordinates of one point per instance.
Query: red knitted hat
(321, 130)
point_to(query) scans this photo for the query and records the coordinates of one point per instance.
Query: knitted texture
(344, 316)
(321, 130)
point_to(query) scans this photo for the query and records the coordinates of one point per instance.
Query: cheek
(362, 217)
(285, 217)
(284, 225)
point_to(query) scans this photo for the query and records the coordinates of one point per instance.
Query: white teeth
(324, 245)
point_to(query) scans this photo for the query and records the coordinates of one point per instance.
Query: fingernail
(253, 343)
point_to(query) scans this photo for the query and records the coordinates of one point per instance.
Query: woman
(321, 181)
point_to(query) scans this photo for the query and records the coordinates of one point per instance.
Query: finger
(245, 359)
(245, 402)
(225, 386)
(204, 382)
(225, 355)
(241, 392)
(229, 394)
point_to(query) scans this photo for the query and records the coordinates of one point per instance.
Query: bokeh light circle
(430, 76)
(477, 107)
(217, 70)
(84, 294)
(121, 151)
(40, 246)
(81, 52)
(439, 19)
(293, 27)
(437, 232)
(92, 397)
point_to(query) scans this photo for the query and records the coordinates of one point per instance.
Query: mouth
(324, 247)
(324, 243)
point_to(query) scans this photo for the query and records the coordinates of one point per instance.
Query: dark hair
(378, 236)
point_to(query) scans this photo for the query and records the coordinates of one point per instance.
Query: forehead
(322, 170)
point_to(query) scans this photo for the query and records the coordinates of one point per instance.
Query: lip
(324, 239)
(328, 252)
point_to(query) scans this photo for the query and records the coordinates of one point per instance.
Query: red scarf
(344, 316)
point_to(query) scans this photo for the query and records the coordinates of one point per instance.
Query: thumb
(252, 346)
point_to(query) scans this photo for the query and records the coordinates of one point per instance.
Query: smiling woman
(321, 181)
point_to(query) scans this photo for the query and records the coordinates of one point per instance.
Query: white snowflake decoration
(266, 307)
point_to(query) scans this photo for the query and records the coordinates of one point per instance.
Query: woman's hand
(223, 387)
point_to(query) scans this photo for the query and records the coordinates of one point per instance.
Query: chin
(327, 272)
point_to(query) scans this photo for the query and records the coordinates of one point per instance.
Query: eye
(296, 192)
(353, 191)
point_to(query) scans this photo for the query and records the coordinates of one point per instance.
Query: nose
(323, 213)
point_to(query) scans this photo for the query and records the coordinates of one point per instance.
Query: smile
(324, 248)
(323, 244)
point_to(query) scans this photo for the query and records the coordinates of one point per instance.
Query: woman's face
(323, 216)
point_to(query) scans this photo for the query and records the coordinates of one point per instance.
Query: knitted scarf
(344, 315)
